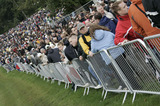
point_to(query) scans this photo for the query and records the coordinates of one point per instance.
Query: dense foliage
(14, 11)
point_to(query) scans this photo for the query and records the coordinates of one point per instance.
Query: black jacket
(70, 53)
(152, 10)
(53, 55)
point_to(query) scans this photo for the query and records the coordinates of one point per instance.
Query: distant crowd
(41, 40)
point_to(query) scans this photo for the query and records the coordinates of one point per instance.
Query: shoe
(98, 86)
(125, 88)
(120, 87)
(86, 85)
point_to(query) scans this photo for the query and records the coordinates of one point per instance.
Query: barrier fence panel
(55, 72)
(107, 74)
(21, 67)
(62, 71)
(153, 43)
(74, 76)
(27, 68)
(84, 69)
(137, 67)
(8, 67)
(45, 70)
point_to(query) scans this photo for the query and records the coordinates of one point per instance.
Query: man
(152, 8)
(53, 55)
(101, 10)
(73, 40)
(85, 39)
(69, 50)
(104, 21)
(124, 30)
(140, 23)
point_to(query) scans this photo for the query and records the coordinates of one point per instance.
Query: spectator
(140, 23)
(73, 40)
(152, 8)
(53, 55)
(104, 21)
(62, 48)
(103, 39)
(124, 30)
(85, 39)
(101, 10)
(69, 50)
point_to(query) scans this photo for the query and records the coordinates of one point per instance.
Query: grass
(21, 89)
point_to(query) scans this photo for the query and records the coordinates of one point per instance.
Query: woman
(102, 38)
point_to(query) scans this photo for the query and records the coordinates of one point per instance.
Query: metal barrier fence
(133, 67)
(8, 67)
(107, 74)
(139, 70)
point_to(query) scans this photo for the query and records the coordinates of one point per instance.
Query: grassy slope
(20, 89)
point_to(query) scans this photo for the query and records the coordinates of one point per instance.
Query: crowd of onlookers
(41, 40)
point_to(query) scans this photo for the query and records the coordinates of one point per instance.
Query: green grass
(21, 89)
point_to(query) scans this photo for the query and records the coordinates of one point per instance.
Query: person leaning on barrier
(84, 39)
(53, 54)
(73, 40)
(103, 39)
(69, 50)
(124, 31)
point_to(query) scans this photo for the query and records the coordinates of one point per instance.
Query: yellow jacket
(84, 46)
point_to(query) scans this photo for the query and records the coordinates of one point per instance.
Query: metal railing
(133, 67)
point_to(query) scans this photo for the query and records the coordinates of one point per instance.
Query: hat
(80, 25)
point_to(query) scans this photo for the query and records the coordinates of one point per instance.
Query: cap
(80, 25)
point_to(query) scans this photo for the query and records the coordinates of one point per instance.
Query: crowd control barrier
(130, 68)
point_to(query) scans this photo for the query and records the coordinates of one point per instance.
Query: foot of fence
(134, 95)
(103, 92)
(75, 89)
(59, 82)
(124, 98)
(88, 91)
(84, 91)
(41, 76)
(47, 80)
(65, 85)
(44, 78)
(105, 95)
(68, 86)
(52, 81)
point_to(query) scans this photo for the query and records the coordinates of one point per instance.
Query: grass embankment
(20, 89)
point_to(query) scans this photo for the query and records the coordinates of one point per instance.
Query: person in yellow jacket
(84, 39)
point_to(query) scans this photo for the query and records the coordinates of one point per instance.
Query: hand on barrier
(90, 53)
(125, 41)
(80, 58)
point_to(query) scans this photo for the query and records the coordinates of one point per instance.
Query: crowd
(40, 40)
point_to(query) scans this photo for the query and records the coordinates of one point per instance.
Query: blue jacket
(110, 23)
(105, 40)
